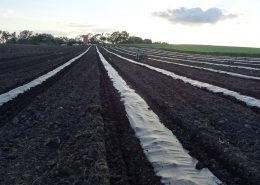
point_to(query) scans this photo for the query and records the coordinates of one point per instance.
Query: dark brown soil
(230, 69)
(11, 51)
(221, 133)
(10, 109)
(57, 138)
(206, 58)
(243, 86)
(17, 71)
(73, 130)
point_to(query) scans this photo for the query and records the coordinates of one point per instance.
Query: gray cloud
(193, 15)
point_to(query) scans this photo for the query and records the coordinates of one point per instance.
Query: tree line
(28, 37)
(117, 37)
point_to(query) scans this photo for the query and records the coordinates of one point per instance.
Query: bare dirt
(204, 59)
(15, 71)
(72, 131)
(221, 133)
(73, 128)
(241, 85)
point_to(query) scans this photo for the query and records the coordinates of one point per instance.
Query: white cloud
(193, 15)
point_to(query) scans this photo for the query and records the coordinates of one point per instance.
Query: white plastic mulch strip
(208, 63)
(249, 61)
(246, 63)
(166, 154)
(203, 68)
(4, 98)
(200, 62)
(212, 70)
(127, 50)
(201, 58)
(250, 101)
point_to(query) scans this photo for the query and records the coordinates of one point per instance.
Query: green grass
(204, 49)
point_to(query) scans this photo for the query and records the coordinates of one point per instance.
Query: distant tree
(74, 41)
(5, 36)
(92, 39)
(135, 40)
(25, 34)
(114, 37)
(1, 41)
(89, 35)
(78, 39)
(118, 37)
(71, 42)
(12, 39)
(160, 42)
(42, 38)
(108, 37)
(147, 41)
(28, 37)
(25, 37)
(61, 40)
(103, 38)
(95, 39)
(124, 36)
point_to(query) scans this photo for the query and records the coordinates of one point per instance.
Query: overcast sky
(214, 22)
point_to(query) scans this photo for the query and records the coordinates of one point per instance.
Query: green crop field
(205, 49)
